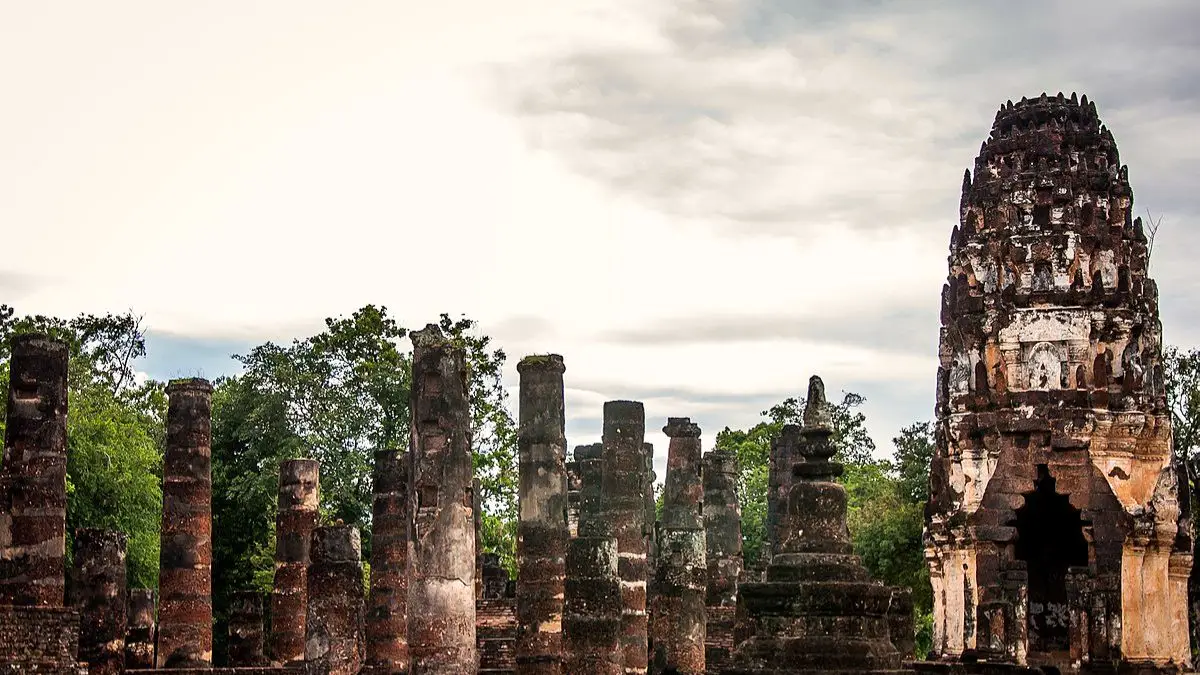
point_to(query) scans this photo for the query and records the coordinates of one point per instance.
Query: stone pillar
(139, 636)
(573, 497)
(333, 626)
(441, 581)
(185, 560)
(101, 596)
(33, 475)
(779, 477)
(387, 609)
(542, 530)
(592, 607)
(246, 629)
(299, 493)
(651, 524)
(722, 528)
(677, 617)
(625, 490)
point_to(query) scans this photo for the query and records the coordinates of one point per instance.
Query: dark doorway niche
(1050, 540)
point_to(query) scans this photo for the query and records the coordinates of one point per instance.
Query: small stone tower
(1055, 533)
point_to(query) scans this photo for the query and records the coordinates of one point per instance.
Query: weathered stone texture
(817, 610)
(592, 607)
(1054, 529)
(625, 491)
(387, 608)
(140, 631)
(39, 640)
(779, 476)
(246, 630)
(496, 620)
(722, 527)
(441, 583)
(33, 475)
(542, 529)
(299, 497)
(100, 596)
(334, 623)
(185, 560)
(677, 618)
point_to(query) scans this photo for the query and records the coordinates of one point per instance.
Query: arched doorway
(1050, 540)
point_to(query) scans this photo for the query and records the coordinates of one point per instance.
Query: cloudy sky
(698, 203)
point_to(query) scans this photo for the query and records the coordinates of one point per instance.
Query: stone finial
(816, 408)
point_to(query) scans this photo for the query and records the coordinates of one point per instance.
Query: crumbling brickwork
(779, 477)
(33, 475)
(299, 496)
(677, 617)
(723, 555)
(100, 596)
(542, 527)
(387, 609)
(817, 610)
(333, 627)
(1053, 528)
(625, 494)
(185, 558)
(441, 581)
(39, 640)
(140, 631)
(246, 630)
(592, 606)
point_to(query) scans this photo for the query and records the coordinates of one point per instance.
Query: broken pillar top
(542, 362)
(336, 543)
(189, 384)
(681, 427)
(624, 410)
(38, 342)
(430, 336)
(589, 451)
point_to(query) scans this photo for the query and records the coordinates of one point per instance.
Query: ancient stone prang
(334, 623)
(100, 595)
(185, 558)
(299, 496)
(139, 636)
(542, 529)
(33, 475)
(1055, 532)
(246, 629)
(592, 607)
(817, 610)
(441, 570)
(387, 608)
(677, 616)
(625, 493)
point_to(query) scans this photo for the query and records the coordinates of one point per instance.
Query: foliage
(115, 430)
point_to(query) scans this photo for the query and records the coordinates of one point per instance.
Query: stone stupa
(817, 610)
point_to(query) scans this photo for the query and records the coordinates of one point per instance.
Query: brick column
(139, 636)
(33, 475)
(784, 452)
(592, 607)
(441, 581)
(387, 610)
(678, 616)
(334, 622)
(722, 527)
(185, 561)
(542, 531)
(299, 496)
(101, 595)
(625, 488)
(245, 629)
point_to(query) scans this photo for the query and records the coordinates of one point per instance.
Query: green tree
(115, 430)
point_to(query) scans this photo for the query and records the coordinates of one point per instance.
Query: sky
(698, 203)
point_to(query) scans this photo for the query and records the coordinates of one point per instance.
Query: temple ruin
(1056, 536)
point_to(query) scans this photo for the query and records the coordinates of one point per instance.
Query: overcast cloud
(698, 203)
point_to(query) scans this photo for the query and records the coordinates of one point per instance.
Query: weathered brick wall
(221, 671)
(496, 635)
(39, 640)
(718, 638)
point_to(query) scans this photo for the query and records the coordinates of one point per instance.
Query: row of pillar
(582, 603)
